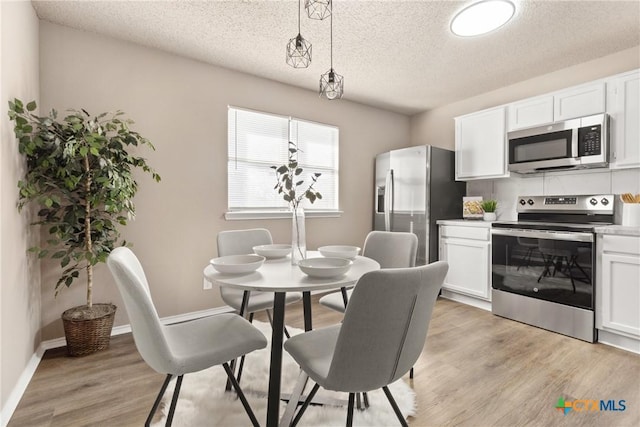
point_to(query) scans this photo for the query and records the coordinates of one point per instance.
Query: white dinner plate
(273, 251)
(236, 264)
(325, 267)
(339, 251)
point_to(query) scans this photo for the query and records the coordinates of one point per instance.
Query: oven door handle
(539, 234)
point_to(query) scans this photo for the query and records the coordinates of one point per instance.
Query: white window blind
(257, 141)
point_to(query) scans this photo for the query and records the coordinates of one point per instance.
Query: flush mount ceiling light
(298, 49)
(482, 17)
(331, 83)
(318, 9)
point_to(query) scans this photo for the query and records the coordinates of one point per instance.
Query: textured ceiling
(398, 55)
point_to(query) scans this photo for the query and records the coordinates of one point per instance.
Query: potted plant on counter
(79, 174)
(489, 209)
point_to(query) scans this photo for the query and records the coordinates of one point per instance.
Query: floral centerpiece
(289, 184)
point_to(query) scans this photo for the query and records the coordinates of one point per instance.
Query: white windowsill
(239, 215)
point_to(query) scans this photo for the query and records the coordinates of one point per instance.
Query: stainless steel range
(543, 264)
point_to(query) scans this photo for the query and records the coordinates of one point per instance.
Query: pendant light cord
(331, 35)
(299, 1)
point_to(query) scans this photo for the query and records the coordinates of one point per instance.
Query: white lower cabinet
(467, 249)
(618, 291)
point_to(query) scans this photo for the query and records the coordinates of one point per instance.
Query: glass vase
(298, 239)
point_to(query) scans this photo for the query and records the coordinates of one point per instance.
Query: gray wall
(181, 106)
(19, 275)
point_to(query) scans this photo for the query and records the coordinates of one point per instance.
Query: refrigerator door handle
(388, 201)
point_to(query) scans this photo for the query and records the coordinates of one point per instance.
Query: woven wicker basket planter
(88, 330)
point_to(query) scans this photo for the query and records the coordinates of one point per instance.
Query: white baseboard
(25, 378)
(475, 302)
(619, 341)
(18, 390)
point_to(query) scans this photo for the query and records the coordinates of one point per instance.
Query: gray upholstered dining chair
(390, 249)
(381, 337)
(241, 242)
(181, 348)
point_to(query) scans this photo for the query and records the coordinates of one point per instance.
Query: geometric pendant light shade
(298, 49)
(298, 52)
(318, 9)
(331, 83)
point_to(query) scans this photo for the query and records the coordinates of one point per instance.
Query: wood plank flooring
(477, 369)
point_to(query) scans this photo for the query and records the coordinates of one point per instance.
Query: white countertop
(622, 230)
(465, 222)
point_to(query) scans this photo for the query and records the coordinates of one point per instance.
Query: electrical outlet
(206, 285)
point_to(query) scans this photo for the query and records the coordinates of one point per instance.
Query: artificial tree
(79, 173)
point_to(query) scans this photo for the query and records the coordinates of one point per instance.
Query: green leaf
(59, 254)
(83, 151)
(31, 106)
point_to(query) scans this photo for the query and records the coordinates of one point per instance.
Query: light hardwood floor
(477, 369)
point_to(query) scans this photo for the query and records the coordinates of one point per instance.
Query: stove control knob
(522, 202)
(593, 201)
(604, 202)
(530, 202)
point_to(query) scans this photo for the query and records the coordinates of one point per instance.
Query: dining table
(281, 276)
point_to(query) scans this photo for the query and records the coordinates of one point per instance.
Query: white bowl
(339, 251)
(325, 267)
(235, 264)
(273, 251)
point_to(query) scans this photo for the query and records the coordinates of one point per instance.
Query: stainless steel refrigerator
(414, 188)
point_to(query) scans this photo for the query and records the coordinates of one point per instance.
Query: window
(257, 141)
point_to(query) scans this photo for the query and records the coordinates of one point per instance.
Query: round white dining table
(280, 276)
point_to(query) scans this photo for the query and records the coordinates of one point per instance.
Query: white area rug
(203, 402)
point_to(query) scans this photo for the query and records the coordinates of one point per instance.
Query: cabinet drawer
(623, 244)
(462, 232)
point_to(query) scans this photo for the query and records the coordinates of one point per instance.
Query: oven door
(547, 265)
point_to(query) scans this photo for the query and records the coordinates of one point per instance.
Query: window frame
(244, 213)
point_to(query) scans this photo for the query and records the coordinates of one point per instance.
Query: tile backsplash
(507, 190)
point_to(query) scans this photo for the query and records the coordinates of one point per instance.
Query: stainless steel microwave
(572, 144)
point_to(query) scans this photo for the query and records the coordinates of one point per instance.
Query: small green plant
(80, 175)
(489, 205)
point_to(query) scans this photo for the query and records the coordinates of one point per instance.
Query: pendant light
(331, 83)
(318, 9)
(298, 49)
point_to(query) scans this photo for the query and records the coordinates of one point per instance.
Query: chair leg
(403, 422)
(350, 410)
(240, 366)
(174, 401)
(241, 395)
(158, 399)
(365, 398)
(304, 406)
(411, 373)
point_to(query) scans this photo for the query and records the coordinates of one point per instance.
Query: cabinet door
(468, 266)
(580, 101)
(481, 145)
(620, 294)
(531, 112)
(623, 100)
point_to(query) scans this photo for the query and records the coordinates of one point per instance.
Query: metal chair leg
(241, 395)
(350, 410)
(411, 373)
(394, 405)
(359, 403)
(158, 399)
(304, 406)
(365, 397)
(174, 401)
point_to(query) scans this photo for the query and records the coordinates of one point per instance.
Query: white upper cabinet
(579, 101)
(584, 100)
(481, 145)
(623, 100)
(531, 112)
